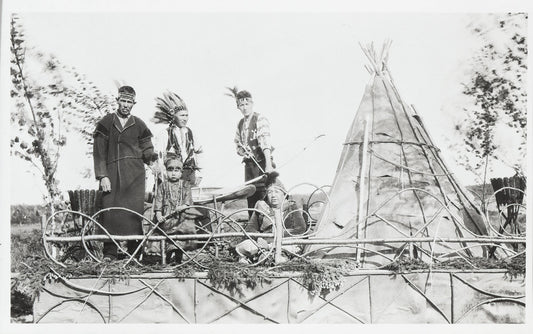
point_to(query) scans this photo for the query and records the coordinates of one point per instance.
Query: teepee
(392, 183)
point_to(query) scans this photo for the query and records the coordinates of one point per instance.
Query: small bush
(21, 304)
(22, 214)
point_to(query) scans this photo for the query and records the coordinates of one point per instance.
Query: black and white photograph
(238, 163)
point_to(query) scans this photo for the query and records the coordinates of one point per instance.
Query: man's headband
(239, 95)
(126, 91)
(243, 95)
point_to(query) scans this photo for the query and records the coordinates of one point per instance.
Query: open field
(24, 243)
(23, 229)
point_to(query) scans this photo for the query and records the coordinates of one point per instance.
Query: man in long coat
(122, 145)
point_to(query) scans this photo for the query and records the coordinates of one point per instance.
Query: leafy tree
(87, 104)
(49, 99)
(495, 125)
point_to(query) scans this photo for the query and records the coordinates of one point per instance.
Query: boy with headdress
(177, 138)
(172, 197)
(122, 145)
(252, 140)
(262, 221)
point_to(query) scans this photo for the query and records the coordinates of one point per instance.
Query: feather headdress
(237, 95)
(167, 106)
(232, 92)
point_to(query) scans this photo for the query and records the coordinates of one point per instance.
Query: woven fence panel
(423, 297)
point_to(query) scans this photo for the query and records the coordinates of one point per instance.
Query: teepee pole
(278, 220)
(362, 175)
(458, 188)
(371, 59)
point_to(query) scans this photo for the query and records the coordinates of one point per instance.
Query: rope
(301, 151)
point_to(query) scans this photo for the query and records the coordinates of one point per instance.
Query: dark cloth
(120, 154)
(252, 141)
(110, 249)
(251, 171)
(190, 165)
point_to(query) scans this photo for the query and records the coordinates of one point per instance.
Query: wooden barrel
(509, 196)
(87, 201)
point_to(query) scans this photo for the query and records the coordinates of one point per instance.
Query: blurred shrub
(22, 214)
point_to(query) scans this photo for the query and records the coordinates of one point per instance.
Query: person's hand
(248, 155)
(268, 169)
(198, 150)
(105, 184)
(155, 168)
(158, 216)
(245, 152)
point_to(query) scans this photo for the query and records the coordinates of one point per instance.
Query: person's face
(246, 106)
(125, 103)
(173, 173)
(181, 118)
(274, 197)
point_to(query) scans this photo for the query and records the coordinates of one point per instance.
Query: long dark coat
(120, 153)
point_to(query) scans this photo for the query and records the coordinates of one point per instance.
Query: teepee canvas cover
(391, 182)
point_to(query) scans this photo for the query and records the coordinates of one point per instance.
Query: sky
(305, 71)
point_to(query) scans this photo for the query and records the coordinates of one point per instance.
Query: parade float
(395, 239)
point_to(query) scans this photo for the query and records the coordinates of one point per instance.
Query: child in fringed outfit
(173, 196)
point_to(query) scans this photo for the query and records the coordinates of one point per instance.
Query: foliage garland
(514, 266)
(319, 276)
